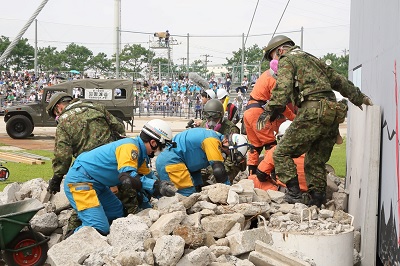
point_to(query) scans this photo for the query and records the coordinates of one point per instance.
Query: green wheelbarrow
(25, 247)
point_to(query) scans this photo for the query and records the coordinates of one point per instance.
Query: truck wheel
(19, 127)
(33, 256)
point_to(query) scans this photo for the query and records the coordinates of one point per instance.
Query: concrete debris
(267, 255)
(221, 225)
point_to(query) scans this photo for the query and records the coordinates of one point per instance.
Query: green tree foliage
(158, 65)
(252, 57)
(340, 64)
(198, 67)
(76, 57)
(20, 58)
(100, 63)
(49, 58)
(133, 58)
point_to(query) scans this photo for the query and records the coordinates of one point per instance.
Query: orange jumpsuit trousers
(267, 165)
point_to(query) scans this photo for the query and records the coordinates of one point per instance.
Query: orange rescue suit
(267, 165)
(260, 94)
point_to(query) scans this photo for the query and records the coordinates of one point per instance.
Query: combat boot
(317, 198)
(293, 195)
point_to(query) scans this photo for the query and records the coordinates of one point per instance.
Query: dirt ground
(43, 138)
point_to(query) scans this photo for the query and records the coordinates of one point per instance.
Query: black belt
(253, 105)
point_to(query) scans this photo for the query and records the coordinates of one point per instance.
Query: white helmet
(211, 93)
(221, 93)
(159, 130)
(238, 146)
(282, 129)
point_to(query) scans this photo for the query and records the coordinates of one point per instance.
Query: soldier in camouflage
(309, 83)
(213, 114)
(82, 126)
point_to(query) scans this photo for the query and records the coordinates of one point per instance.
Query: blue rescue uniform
(88, 180)
(196, 149)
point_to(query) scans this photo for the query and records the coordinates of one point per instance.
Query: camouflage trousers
(306, 135)
(126, 194)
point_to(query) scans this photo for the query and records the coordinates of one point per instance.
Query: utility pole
(206, 61)
(183, 61)
(345, 52)
(117, 23)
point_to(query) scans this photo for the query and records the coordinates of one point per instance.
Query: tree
(158, 65)
(133, 58)
(49, 58)
(252, 57)
(76, 57)
(340, 64)
(198, 67)
(21, 56)
(100, 63)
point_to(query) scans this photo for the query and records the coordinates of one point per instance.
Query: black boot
(294, 194)
(317, 198)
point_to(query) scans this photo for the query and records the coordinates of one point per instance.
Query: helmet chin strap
(153, 148)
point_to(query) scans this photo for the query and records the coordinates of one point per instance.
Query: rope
(16, 40)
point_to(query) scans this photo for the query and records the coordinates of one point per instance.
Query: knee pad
(219, 172)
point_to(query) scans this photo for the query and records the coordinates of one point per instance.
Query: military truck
(116, 94)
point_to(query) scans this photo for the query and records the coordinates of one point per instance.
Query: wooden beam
(19, 159)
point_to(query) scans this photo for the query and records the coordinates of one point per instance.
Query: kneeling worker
(124, 161)
(264, 177)
(196, 149)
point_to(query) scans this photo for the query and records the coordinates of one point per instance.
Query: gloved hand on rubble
(128, 181)
(54, 184)
(164, 188)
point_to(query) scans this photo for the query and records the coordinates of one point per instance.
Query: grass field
(20, 172)
(338, 159)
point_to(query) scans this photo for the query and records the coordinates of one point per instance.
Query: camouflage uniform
(308, 82)
(227, 128)
(82, 126)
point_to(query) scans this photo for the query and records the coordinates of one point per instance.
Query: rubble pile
(221, 225)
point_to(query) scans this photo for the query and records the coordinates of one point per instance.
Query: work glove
(128, 181)
(263, 119)
(164, 188)
(366, 101)
(54, 184)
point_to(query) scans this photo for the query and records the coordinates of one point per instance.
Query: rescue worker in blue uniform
(196, 149)
(87, 183)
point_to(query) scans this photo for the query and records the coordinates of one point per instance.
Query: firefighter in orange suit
(264, 138)
(266, 169)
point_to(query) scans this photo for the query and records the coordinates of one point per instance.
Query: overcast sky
(91, 23)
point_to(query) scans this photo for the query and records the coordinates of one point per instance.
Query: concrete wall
(374, 53)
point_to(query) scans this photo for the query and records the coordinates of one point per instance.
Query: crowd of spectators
(171, 97)
(25, 86)
(179, 97)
